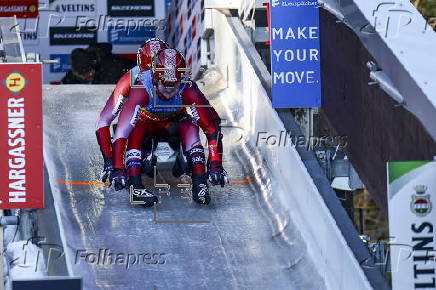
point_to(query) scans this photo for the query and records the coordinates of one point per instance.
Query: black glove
(217, 175)
(118, 179)
(107, 169)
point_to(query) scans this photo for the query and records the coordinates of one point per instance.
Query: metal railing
(11, 46)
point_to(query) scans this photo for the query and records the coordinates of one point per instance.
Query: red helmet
(169, 67)
(147, 51)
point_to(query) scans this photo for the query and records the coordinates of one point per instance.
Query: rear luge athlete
(119, 96)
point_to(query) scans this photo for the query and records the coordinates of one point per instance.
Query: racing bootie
(200, 190)
(138, 193)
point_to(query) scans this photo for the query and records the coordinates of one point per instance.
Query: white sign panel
(412, 219)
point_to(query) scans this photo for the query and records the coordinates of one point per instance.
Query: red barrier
(21, 161)
(19, 8)
(268, 16)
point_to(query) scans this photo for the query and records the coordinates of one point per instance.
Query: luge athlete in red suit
(160, 108)
(119, 96)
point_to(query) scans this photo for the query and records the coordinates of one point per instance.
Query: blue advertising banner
(130, 34)
(295, 56)
(63, 65)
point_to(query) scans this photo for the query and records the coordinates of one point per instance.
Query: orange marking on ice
(248, 180)
(82, 182)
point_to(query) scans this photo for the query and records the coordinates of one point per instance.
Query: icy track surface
(234, 246)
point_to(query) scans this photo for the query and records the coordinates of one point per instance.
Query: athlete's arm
(208, 120)
(137, 98)
(194, 95)
(110, 111)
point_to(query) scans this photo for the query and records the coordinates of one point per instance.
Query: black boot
(149, 163)
(180, 166)
(200, 190)
(138, 193)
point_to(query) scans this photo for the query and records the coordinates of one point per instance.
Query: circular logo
(15, 82)
(32, 8)
(421, 206)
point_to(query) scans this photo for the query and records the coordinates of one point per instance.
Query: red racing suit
(145, 114)
(111, 110)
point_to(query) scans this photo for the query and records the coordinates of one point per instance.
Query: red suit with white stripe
(111, 110)
(134, 122)
(160, 108)
(119, 96)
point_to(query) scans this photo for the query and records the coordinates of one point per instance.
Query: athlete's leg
(134, 162)
(134, 153)
(190, 136)
(126, 122)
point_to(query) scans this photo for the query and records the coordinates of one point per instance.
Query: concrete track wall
(246, 100)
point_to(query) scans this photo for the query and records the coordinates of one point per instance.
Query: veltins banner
(21, 164)
(295, 55)
(412, 217)
(68, 8)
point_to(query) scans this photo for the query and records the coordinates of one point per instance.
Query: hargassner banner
(295, 56)
(21, 164)
(412, 217)
(19, 8)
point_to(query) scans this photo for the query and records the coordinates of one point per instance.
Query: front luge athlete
(160, 109)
